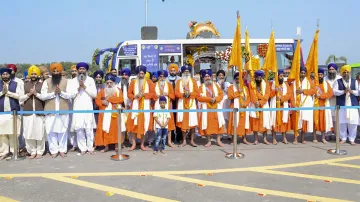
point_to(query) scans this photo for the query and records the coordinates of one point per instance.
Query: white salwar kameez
(56, 125)
(347, 122)
(6, 123)
(82, 123)
(33, 130)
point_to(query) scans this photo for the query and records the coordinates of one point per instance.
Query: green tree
(334, 59)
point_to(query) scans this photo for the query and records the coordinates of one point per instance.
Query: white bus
(158, 54)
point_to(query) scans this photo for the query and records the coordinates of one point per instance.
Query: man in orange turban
(73, 71)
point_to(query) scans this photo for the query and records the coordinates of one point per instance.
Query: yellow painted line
(4, 199)
(108, 189)
(251, 189)
(185, 172)
(344, 165)
(315, 177)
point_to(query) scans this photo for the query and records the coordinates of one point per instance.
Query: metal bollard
(119, 156)
(235, 154)
(337, 150)
(15, 156)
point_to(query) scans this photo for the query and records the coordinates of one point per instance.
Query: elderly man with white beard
(124, 86)
(109, 98)
(186, 91)
(224, 85)
(331, 78)
(84, 90)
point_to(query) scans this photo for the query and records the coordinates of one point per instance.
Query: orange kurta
(240, 130)
(256, 124)
(102, 138)
(139, 129)
(323, 96)
(170, 97)
(283, 127)
(184, 125)
(212, 117)
(309, 92)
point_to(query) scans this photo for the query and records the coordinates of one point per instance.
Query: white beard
(208, 83)
(186, 79)
(162, 83)
(140, 83)
(110, 91)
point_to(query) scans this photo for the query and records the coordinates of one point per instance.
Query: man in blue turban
(141, 92)
(98, 76)
(186, 90)
(154, 77)
(124, 86)
(84, 124)
(210, 97)
(260, 93)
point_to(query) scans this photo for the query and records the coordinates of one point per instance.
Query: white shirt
(332, 100)
(6, 120)
(162, 118)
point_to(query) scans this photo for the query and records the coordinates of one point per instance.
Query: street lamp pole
(146, 12)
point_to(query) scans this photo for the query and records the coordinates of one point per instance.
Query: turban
(321, 71)
(33, 69)
(26, 74)
(162, 99)
(185, 67)
(259, 73)
(12, 67)
(3, 70)
(110, 77)
(140, 68)
(303, 69)
(333, 65)
(56, 66)
(236, 75)
(206, 72)
(163, 72)
(82, 64)
(147, 75)
(220, 72)
(98, 72)
(280, 72)
(155, 74)
(345, 68)
(43, 69)
(126, 71)
(173, 66)
(73, 67)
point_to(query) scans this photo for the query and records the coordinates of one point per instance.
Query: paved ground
(267, 173)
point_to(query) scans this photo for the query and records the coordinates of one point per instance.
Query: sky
(40, 31)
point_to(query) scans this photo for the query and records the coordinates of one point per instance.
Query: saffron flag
(270, 63)
(236, 55)
(248, 55)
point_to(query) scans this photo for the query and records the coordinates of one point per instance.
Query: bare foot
(208, 144)
(220, 144)
(142, 147)
(91, 152)
(106, 149)
(266, 142)
(352, 143)
(73, 149)
(2, 157)
(324, 141)
(342, 141)
(256, 142)
(315, 141)
(246, 142)
(193, 144)
(295, 142)
(183, 144)
(39, 156)
(132, 148)
(285, 141)
(155, 152)
(274, 142)
(162, 151)
(171, 145)
(62, 154)
(54, 155)
(32, 156)
(303, 142)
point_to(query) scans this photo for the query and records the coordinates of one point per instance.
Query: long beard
(331, 75)
(82, 77)
(185, 79)
(56, 79)
(141, 83)
(124, 82)
(208, 83)
(110, 91)
(5, 79)
(162, 83)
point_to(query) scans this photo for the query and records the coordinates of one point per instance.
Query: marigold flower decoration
(262, 48)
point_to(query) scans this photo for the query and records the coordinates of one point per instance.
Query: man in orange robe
(141, 92)
(282, 94)
(259, 94)
(323, 94)
(164, 88)
(210, 97)
(108, 98)
(240, 98)
(186, 90)
(306, 90)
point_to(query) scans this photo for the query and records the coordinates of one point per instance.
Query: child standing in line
(161, 125)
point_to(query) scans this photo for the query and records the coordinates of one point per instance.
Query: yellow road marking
(250, 189)
(106, 189)
(315, 177)
(185, 172)
(4, 199)
(344, 165)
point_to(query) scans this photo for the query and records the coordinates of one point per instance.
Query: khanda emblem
(246, 55)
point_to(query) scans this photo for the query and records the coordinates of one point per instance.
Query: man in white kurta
(9, 101)
(56, 92)
(225, 103)
(84, 89)
(33, 124)
(331, 78)
(346, 91)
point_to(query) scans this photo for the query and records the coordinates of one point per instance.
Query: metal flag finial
(237, 14)
(318, 23)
